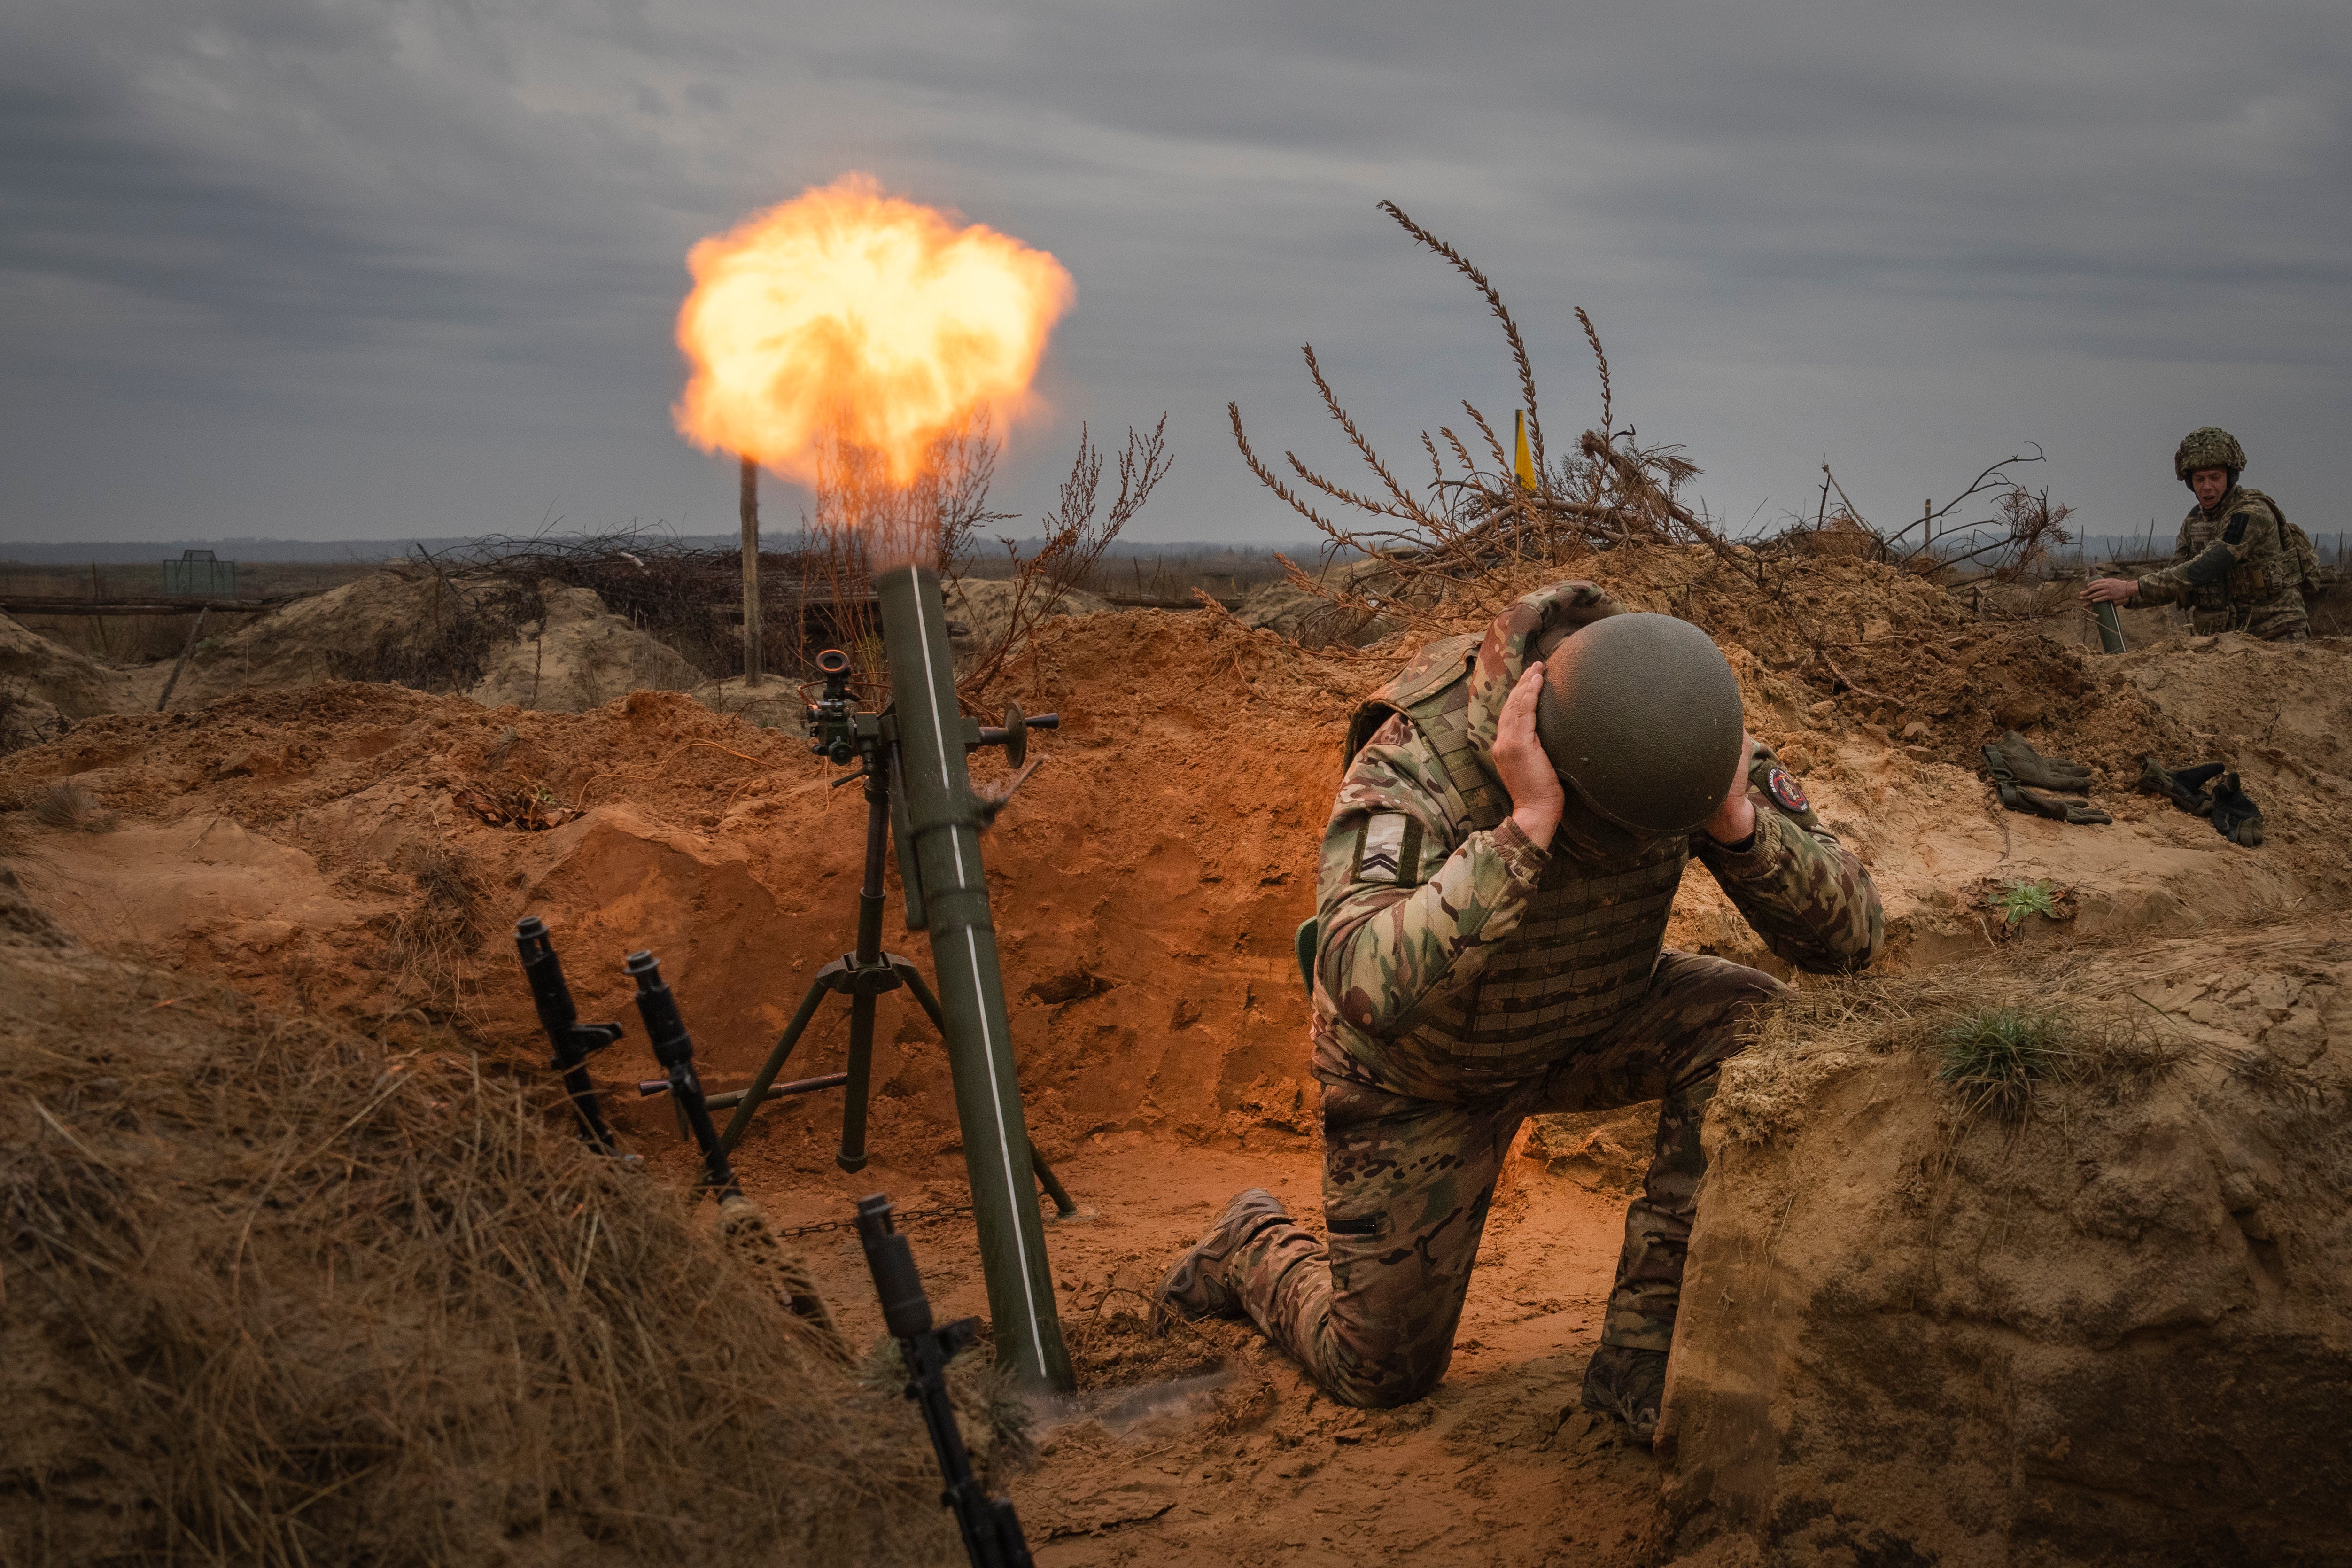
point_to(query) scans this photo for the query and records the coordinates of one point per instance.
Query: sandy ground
(1249, 1464)
(363, 851)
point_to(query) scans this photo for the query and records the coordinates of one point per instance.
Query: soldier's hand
(1537, 795)
(1735, 819)
(2108, 591)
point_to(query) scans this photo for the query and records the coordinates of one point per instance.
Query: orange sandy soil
(1146, 885)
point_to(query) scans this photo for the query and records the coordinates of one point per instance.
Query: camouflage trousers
(2284, 620)
(1371, 1312)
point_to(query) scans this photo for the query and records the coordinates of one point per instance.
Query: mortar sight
(833, 718)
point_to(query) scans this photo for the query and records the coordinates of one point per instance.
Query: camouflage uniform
(2236, 570)
(1466, 978)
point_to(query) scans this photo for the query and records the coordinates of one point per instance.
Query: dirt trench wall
(2120, 1332)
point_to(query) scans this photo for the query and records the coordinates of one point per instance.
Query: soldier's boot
(1629, 1384)
(1196, 1287)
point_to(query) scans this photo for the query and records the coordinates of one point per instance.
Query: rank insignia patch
(1785, 791)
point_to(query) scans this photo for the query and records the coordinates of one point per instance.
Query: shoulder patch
(1785, 791)
(1389, 849)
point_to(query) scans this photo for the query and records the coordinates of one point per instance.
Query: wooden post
(193, 633)
(751, 512)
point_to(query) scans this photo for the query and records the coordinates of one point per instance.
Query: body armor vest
(1583, 950)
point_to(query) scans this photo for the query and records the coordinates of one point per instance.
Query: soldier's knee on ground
(1378, 1392)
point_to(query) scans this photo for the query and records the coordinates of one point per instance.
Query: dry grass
(2000, 1034)
(282, 1297)
(430, 942)
(73, 808)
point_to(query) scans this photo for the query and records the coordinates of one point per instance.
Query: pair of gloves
(2206, 791)
(2046, 786)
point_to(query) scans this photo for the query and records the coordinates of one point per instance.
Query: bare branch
(1502, 314)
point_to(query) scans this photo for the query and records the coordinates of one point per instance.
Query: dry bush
(1477, 520)
(69, 807)
(470, 614)
(1074, 543)
(281, 1296)
(2011, 543)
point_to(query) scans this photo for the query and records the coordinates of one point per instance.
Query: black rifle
(573, 1040)
(992, 1532)
(674, 1050)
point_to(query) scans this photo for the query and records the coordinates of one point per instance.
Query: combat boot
(1196, 1287)
(1629, 1384)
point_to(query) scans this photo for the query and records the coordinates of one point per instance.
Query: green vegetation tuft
(2019, 899)
(1995, 1058)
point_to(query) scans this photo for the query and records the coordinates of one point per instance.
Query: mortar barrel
(943, 821)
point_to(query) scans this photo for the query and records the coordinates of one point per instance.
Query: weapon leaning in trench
(992, 1531)
(674, 1050)
(574, 1041)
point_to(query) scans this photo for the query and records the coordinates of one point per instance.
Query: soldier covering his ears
(1494, 886)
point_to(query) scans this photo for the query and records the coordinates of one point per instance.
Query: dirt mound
(501, 639)
(2084, 1304)
(362, 850)
(1148, 878)
(278, 1295)
(575, 656)
(46, 686)
(981, 608)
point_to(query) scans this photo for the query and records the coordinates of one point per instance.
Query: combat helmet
(1640, 714)
(2208, 446)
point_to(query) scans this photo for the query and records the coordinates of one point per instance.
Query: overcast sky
(321, 268)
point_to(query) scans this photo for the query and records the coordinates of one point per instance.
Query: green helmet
(1641, 715)
(2209, 447)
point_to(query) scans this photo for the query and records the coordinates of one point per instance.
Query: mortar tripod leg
(923, 998)
(771, 1067)
(1051, 1182)
(861, 1071)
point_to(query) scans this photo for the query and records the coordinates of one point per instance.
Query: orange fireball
(849, 316)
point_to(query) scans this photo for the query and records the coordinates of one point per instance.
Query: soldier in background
(1495, 885)
(2238, 564)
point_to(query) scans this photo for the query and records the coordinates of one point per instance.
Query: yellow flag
(1522, 465)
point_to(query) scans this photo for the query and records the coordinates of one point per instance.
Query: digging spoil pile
(2078, 1323)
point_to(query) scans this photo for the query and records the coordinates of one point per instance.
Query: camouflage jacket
(2234, 569)
(1425, 883)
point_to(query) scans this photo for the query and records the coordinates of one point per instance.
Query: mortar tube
(2111, 628)
(943, 821)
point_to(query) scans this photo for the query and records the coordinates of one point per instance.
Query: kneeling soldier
(1496, 883)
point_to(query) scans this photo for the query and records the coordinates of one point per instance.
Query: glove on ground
(2235, 816)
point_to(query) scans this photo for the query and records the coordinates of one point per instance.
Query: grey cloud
(418, 262)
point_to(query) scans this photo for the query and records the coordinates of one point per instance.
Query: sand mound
(578, 655)
(1148, 877)
(2110, 1327)
(278, 1295)
(359, 851)
(46, 686)
(501, 639)
(981, 608)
